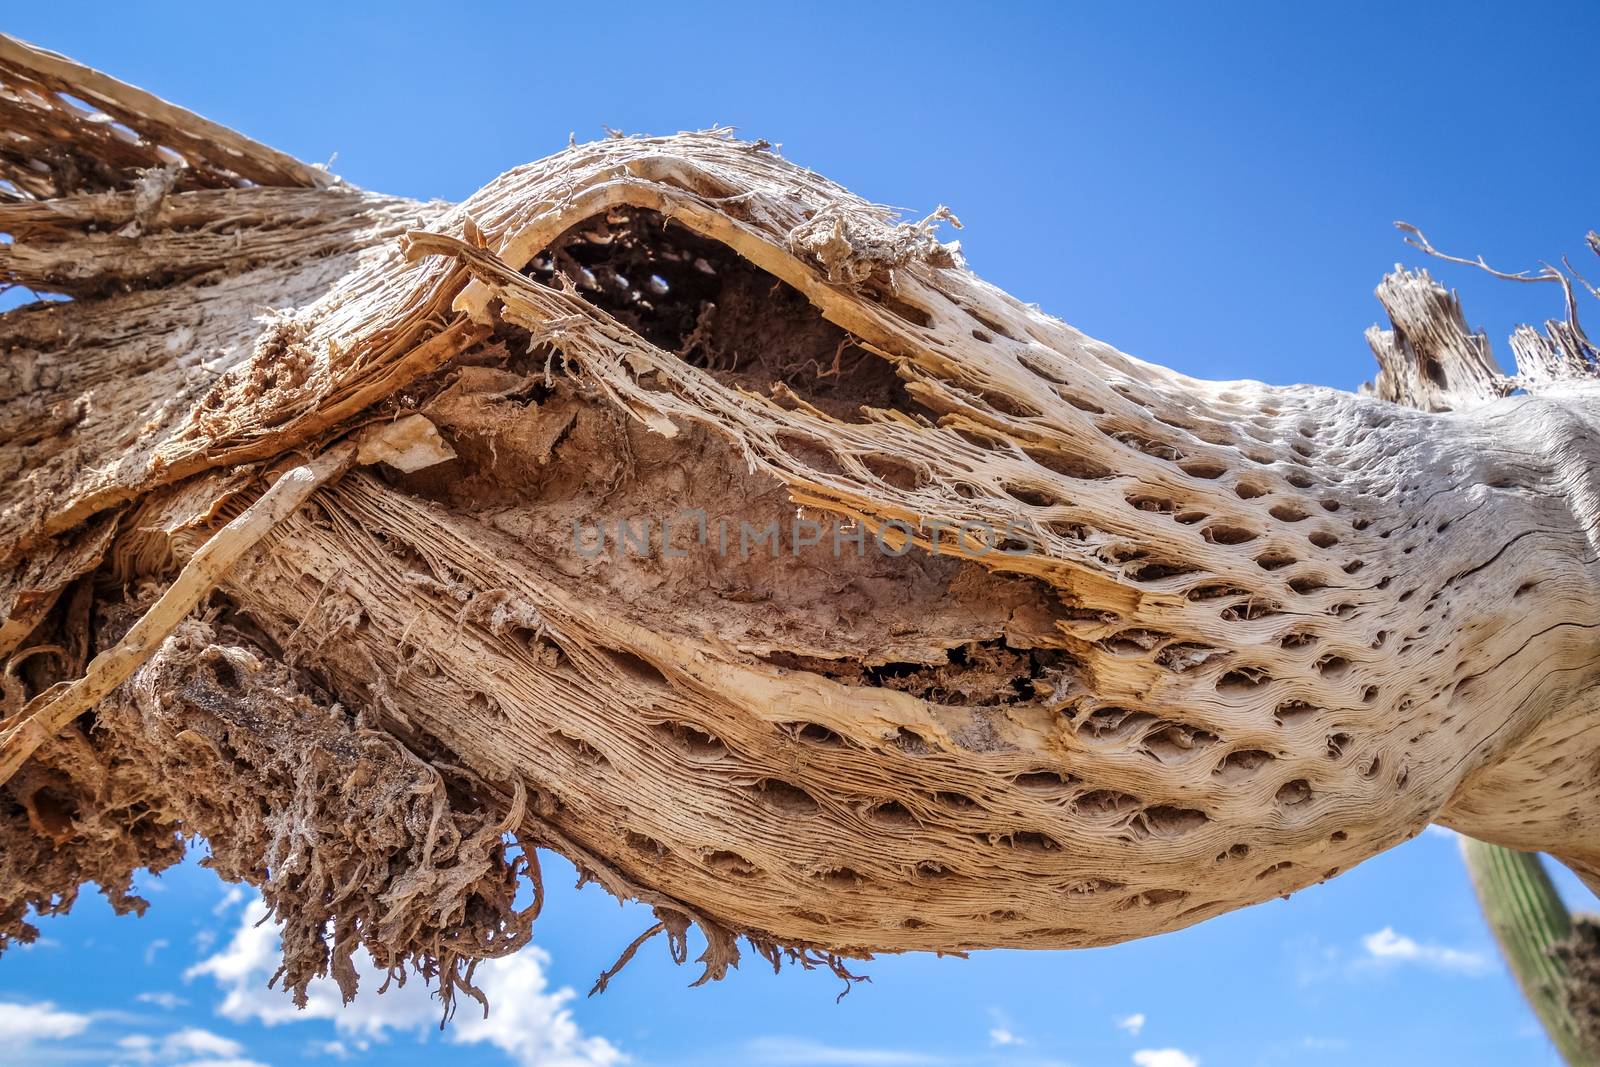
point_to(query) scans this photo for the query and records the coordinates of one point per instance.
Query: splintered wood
(1081, 650)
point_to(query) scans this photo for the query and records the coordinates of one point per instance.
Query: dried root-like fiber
(354, 842)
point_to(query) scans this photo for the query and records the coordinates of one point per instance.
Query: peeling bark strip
(53, 709)
(1254, 636)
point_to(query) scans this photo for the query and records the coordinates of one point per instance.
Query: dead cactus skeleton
(1131, 650)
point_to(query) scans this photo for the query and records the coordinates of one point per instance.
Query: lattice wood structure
(1124, 649)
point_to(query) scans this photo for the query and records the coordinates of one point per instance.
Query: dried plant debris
(216, 739)
(1580, 955)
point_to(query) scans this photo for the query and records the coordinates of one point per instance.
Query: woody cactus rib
(1226, 641)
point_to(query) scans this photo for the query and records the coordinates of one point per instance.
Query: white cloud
(161, 999)
(1386, 946)
(798, 1052)
(530, 1024)
(234, 896)
(527, 1021)
(182, 1044)
(23, 1024)
(1164, 1057)
(141, 1047)
(154, 947)
(338, 1049)
(1435, 830)
(192, 1041)
(1003, 1034)
(1131, 1023)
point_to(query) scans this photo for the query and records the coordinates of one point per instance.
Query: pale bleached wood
(1263, 632)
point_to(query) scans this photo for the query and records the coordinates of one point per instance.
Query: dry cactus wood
(1551, 956)
(1240, 637)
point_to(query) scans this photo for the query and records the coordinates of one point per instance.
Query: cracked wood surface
(1252, 635)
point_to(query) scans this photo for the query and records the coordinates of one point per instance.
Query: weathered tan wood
(71, 145)
(56, 707)
(1244, 636)
(1428, 358)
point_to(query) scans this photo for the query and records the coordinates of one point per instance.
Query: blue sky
(1210, 187)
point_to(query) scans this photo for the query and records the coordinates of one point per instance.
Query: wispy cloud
(800, 1052)
(1131, 1023)
(42, 1033)
(1000, 1037)
(528, 1022)
(38, 943)
(161, 999)
(1313, 960)
(153, 948)
(231, 899)
(339, 1050)
(185, 1044)
(1388, 947)
(23, 1024)
(1003, 1034)
(1164, 1057)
